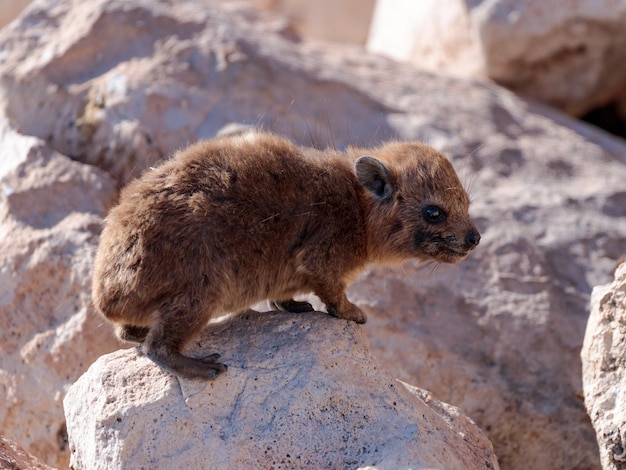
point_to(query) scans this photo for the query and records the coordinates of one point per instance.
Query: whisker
(306, 122)
(406, 275)
(330, 130)
(269, 218)
(435, 267)
(475, 150)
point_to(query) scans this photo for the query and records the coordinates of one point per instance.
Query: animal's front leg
(334, 297)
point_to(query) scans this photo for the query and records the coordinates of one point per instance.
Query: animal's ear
(375, 176)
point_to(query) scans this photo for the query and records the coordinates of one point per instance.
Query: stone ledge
(301, 391)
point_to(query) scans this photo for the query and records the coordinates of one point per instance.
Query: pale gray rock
(569, 53)
(182, 74)
(50, 214)
(604, 357)
(498, 335)
(301, 391)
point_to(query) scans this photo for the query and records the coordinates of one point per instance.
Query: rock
(50, 213)
(497, 335)
(12, 456)
(301, 391)
(527, 45)
(93, 104)
(604, 357)
(417, 32)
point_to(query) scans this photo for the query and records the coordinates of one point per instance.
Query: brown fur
(229, 222)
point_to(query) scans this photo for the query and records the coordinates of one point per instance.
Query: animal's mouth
(446, 249)
(447, 254)
(451, 252)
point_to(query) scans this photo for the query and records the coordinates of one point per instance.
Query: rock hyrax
(229, 222)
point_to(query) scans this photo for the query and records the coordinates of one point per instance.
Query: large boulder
(121, 97)
(301, 391)
(118, 86)
(569, 54)
(50, 213)
(604, 377)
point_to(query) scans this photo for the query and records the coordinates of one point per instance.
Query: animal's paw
(351, 312)
(211, 362)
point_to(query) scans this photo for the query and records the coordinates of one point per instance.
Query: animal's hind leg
(134, 334)
(173, 329)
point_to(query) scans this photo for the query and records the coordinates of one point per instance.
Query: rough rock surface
(301, 391)
(118, 96)
(571, 55)
(604, 377)
(13, 457)
(498, 335)
(50, 213)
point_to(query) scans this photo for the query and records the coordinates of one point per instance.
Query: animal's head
(419, 206)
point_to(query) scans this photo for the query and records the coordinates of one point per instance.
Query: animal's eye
(434, 214)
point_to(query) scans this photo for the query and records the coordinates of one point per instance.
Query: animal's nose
(472, 239)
